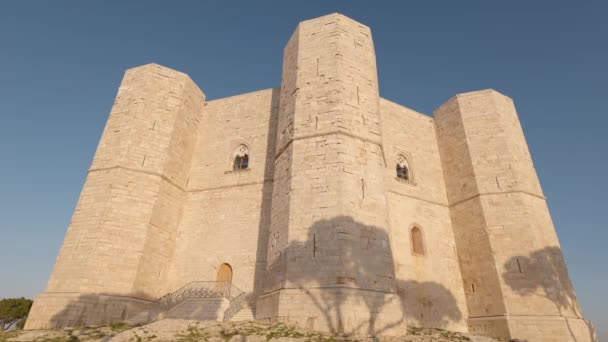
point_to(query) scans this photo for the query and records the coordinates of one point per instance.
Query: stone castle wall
(515, 278)
(122, 234)
(226, 213)
(330, 261)
(318, 229)
(430, 284)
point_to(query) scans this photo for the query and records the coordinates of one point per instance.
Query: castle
(316, 203)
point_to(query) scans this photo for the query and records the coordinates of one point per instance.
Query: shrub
(13, 312)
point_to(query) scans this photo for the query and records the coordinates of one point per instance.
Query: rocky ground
(213, 331)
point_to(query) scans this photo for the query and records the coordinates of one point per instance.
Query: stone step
(202, 309)
(245, 314)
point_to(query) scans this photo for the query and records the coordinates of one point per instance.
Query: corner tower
(515, 278)
(330, 264)
(119, 244)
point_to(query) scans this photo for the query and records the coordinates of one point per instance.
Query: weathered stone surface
(332, 208)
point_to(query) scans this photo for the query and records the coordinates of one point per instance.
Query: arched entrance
(224, 279)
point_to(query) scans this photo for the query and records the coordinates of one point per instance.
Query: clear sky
(60, 67)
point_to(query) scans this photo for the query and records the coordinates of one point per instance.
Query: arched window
(417, 243)
(403, 170)
(241, 158)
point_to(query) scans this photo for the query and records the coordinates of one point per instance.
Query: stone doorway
(224, 279)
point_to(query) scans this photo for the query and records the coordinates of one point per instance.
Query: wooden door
(224, 279)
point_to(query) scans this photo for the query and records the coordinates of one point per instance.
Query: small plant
(193, 335)
(69, 338)
(5, 335)
(120, 326)
(281, 330)
(98, 335)
(414, 330)
(227, 334)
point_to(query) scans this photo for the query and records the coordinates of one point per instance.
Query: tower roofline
(335, 15)
(470, 94)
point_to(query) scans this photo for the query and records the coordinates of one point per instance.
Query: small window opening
(519, 266)
(403, 171)
(417, 243)
(241, 158)
(362, 188)
(241, 162)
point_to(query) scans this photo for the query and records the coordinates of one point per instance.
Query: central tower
(330, 264)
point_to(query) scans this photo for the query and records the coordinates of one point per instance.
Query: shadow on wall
(92, 309)
(340, 255)
(267, 188)
(96, 310)
(201, 309)
(545, 270)
(428, 304)
(350, 261)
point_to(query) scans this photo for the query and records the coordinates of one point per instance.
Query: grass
(118, 327)
(5, 335)
(75, 334)
(68, 338)
(283, 331)
(199, 331)
(192, 335)
(270, 332)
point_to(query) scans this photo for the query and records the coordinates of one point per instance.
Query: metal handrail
(235, 306)
(197, 289)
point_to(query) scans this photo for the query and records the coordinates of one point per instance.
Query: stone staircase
(199, 300)
(201, 309)
(245, 314)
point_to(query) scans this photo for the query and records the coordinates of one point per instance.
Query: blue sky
(61, 64)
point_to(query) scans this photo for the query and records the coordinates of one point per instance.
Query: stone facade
(335, 209)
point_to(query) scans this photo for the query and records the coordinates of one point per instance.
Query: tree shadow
(544, 273)
(98, 309)
(72, 310)
(428, 304)
(343, 265)
(362, 276)
(65, 310)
